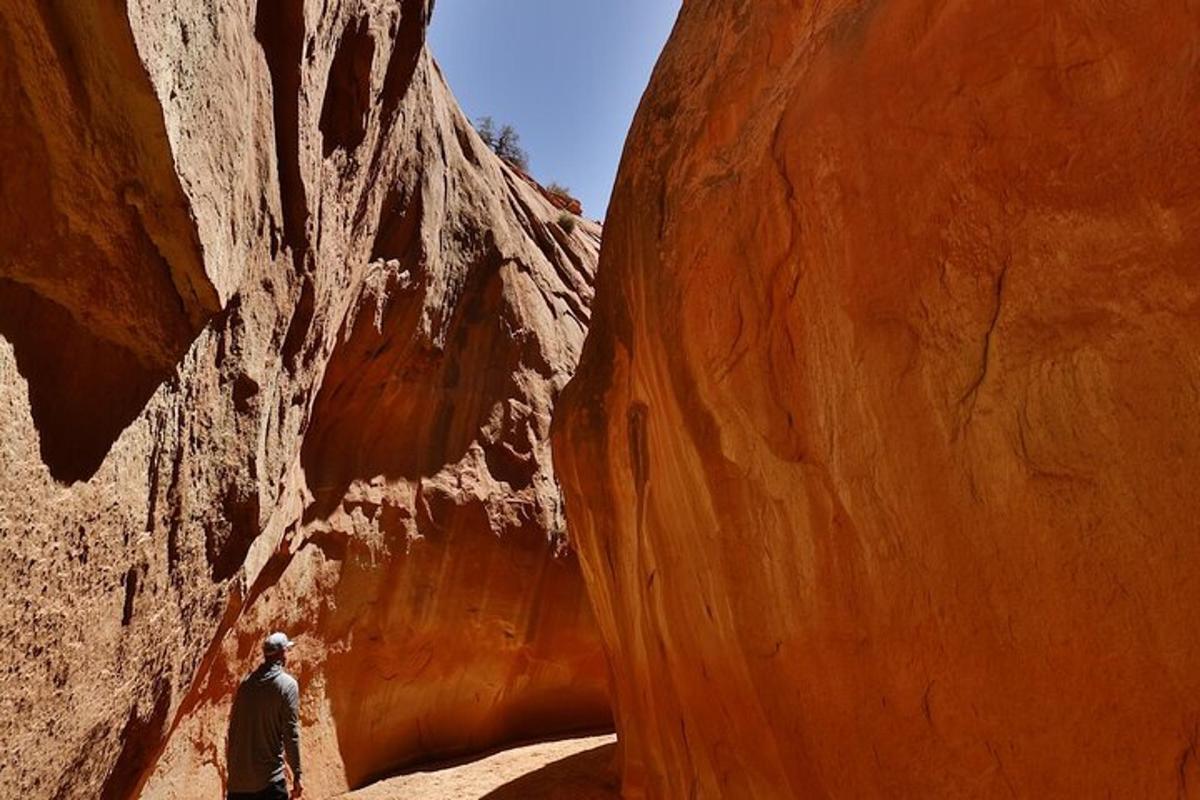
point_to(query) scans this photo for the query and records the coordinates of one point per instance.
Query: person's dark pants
(275, 791)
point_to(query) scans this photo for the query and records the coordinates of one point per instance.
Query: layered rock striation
(279, 343)
(881, 452)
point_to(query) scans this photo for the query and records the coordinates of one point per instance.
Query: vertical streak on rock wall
(880, 455)
(279, 27)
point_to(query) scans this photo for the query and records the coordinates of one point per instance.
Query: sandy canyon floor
(579, 769)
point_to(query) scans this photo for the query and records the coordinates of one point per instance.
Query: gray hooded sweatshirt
(265, 722)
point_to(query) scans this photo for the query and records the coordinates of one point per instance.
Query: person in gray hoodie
(263, 726)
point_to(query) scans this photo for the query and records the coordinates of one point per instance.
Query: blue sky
(567, 74)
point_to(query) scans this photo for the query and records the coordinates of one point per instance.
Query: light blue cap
(276, 643)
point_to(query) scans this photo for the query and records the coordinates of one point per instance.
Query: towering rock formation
(882, 452)
(279, 339)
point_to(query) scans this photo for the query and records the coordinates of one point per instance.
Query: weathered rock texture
(558, 199)
(279, 341)
(882, 453)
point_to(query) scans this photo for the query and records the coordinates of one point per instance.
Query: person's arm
(291, 736)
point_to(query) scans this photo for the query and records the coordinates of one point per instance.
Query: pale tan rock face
(279, 344)
(881, 455)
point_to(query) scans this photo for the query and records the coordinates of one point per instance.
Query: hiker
(264, 724)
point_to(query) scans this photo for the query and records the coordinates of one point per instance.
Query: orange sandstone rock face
(279, 344)
(438, 607)
(881, 455)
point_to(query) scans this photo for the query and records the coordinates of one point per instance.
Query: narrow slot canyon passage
(653, 399)
(429, 581)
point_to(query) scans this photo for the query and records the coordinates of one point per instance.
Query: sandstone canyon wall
(279, 342)
(881, 456)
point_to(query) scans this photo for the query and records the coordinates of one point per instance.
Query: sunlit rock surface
(882, 453)
(279, 344)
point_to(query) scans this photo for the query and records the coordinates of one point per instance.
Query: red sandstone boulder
(883, 448)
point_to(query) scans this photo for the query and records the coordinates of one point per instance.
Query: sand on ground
(570, 769)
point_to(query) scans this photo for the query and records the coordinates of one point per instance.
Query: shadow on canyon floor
(583, 776)
(560, 769)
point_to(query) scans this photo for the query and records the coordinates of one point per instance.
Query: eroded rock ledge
(279, 342)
